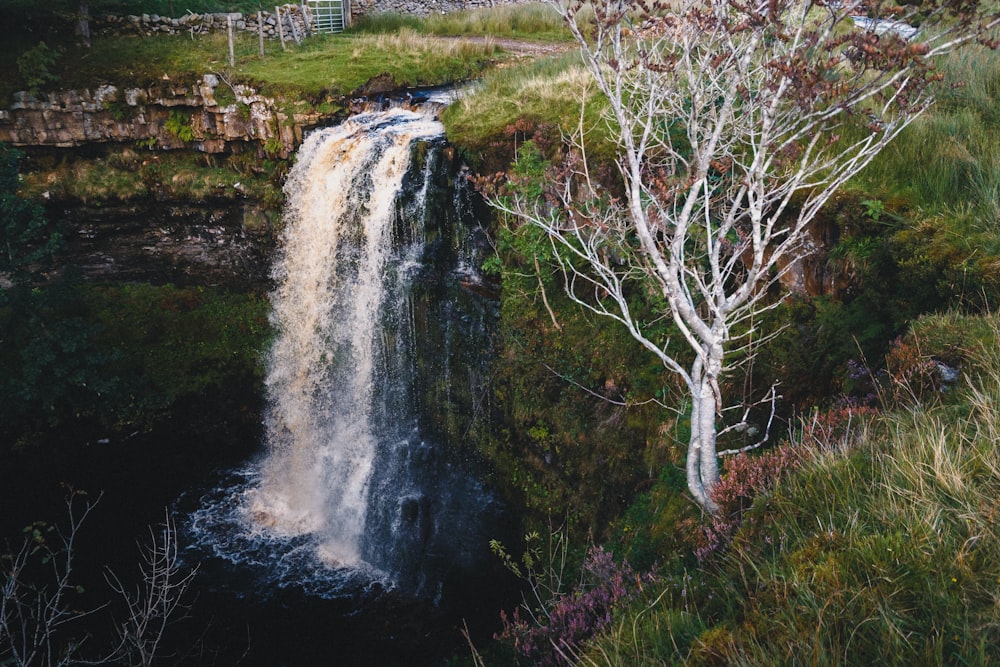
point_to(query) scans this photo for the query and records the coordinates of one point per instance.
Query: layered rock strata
(167, 115)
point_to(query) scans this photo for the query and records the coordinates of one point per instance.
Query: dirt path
(522, 48)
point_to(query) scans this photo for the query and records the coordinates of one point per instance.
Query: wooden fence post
(281, 30)
(305, 17)
(229, 30)
(260, 29)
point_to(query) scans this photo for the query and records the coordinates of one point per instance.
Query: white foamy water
(327, 308)
(363, 485)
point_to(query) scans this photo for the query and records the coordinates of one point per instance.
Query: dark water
(239, 614)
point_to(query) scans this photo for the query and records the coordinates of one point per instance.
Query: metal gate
(329, 15)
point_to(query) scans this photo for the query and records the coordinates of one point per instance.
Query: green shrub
(179, 125)
(117, 358)
(36, 67)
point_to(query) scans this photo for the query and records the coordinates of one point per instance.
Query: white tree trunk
(702, 460)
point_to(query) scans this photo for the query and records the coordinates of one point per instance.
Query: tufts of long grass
(509, 102)
(885, 553)
(535, 20)
(949, 159)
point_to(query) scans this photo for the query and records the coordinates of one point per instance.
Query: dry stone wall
(292, 17)
(423, 7)
(192, 24)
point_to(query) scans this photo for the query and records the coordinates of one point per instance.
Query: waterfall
(333, 278)
(375, 380)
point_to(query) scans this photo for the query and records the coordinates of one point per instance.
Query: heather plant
(913, 376)
(551, 628)
(837, 428)
(746, 476)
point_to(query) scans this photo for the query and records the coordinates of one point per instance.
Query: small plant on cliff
(35, 66)
(27, 239)
(179, 125)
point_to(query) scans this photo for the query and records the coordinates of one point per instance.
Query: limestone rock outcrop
(167, 115)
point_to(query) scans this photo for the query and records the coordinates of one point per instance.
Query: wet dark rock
(184, 243)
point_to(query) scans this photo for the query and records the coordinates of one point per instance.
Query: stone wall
(200, 24)
(423, 7)
(292, 18)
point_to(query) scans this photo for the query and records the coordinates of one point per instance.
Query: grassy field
(402, 51)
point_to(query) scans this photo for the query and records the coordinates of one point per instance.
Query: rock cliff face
(184, 243)
(168, 115)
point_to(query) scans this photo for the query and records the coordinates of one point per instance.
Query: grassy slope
(883, 547)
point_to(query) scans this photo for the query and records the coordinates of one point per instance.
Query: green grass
(884, 546)
(510, 103)
(949, 159)
(536, 21)
(341, 64)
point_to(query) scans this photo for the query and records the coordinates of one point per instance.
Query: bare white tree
(735, 122)
(34, 616)
(153, 604)
(40, 605)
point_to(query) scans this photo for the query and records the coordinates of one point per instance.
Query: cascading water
(375, 379)
(328, 310)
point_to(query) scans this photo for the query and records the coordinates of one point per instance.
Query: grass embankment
(883, 547)
(553, 95)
